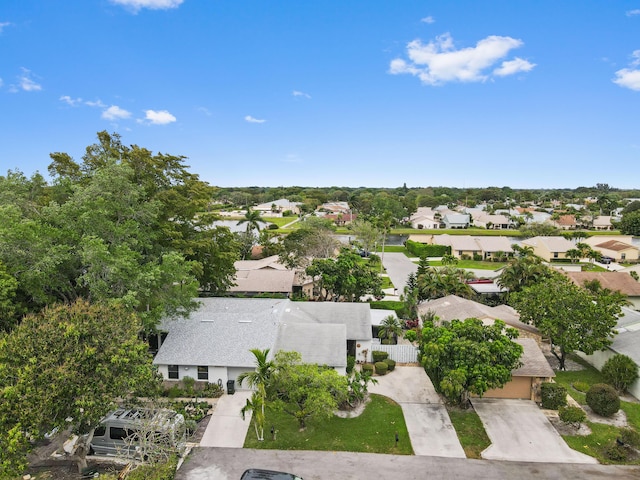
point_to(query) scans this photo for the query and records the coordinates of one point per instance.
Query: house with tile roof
(214, 342)
(549, 248)
(615, 281)
(278, 207)
(268, 276)
(621, 250)
(467, 246)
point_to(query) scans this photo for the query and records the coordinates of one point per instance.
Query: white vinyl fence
(399, 353)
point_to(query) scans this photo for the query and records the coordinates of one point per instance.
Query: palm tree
(389, 326)
(253, 220)
(259, 379)
(255, 405)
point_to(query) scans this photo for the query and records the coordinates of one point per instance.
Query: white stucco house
(213, 344)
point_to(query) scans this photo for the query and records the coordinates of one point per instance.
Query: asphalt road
(229, 463)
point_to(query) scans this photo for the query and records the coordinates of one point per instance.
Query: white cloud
(26, 83)
(632, 13)
(251, 119)
(297, 93)
(1, 82)
(510, 67)
(73, 102)
(439, 62)
(97, 103)
(137, 5)
(630, 77)
(204, 110)
(115, 113)
(160, 117)
(428, 19)
(4, 24)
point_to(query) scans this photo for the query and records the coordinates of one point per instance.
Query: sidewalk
(226, 427)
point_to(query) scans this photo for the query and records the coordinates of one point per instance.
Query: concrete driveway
(428, 423)
(519, 431)
(398, 267)
(226, 427)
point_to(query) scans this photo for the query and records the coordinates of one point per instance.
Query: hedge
(381, 368)
(427, 250)
(390, 363)
(378, 356)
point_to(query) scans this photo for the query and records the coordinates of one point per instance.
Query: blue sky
(376, 93)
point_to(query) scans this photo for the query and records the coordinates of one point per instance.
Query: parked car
(606, 260)
(119, 431)
(258, 474)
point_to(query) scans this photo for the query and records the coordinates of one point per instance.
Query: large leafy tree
(523, 270)
(630, 223)
(306, 390)
(463, 357)
(314, 239)
(367, 234)
(347, 278)
(439, 282)
(572, 317)
(65, 367)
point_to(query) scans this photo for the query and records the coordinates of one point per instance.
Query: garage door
(518, 387)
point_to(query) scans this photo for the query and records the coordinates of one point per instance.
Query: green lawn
(470, 264)
(386, 282)
(372, 432)
(471, 432)
(602, 435)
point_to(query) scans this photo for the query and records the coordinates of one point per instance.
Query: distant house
(341, 219)
(268, 276)
(602, 222)
(615, 281)
(625, 342)
(565, 222)
(278, 207)
(492, 222)
(467, 246)
(425, 218)
(335, 207)
(618, 249)
(549, 248)
(213, 344)
(456, 220)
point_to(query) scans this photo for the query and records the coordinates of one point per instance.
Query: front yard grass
(601, 435)
(386, 283)
(372, 432)
(471, 432)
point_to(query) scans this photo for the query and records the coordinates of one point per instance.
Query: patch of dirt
(356, 412)
(565, 429)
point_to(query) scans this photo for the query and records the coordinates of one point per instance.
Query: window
(117, 433)
(203, 373)
(100, 431)
(173, 372)
(555, 255)
(623, 256)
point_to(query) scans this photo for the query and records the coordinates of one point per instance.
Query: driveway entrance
(519, 431)
(428, 423)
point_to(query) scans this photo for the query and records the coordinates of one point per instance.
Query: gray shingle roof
(316, 343)
(534, 363)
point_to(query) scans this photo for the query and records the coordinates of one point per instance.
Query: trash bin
(231, 387)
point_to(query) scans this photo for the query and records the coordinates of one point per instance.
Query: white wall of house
(598, 360)
(361, 346)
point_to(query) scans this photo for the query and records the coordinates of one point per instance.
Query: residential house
(565, 222)
(619, 248)
(493, 247)
(625, 342)
(213, 343)
(492, 222)
(278, 207)
(549, 248)
(268, 275)
(615, 281)
(341, 219)
(456, 220)
(602, 222)
(535, 368)
(467, 246)
(335, 207)
(425, 218)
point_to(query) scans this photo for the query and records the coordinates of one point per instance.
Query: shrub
(603, 399)
(426, 250)
(572, 415)
(272, 226)
(174, 392)
(212, 390)
(620, 371)
(351, 362)
(477, 257)
(387, 341)
(630, 436)
(188, 383)
(381, 368)
(367, 367)
(411, 335)
(581, 386)
(378, 356)
(391, 364)
(554, 395)
(159, 471)
(615, 452)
